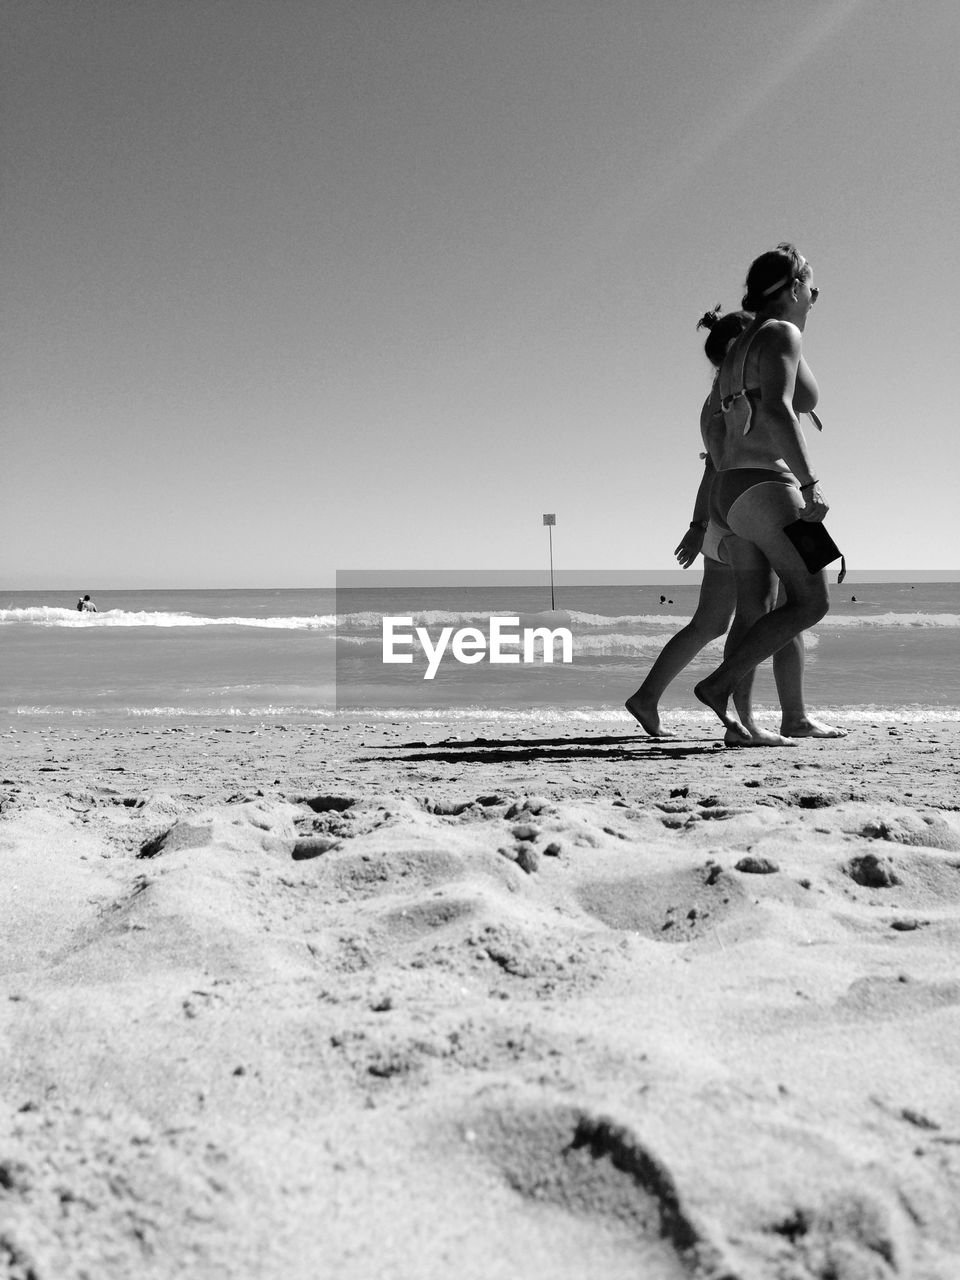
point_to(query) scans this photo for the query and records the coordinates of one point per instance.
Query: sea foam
(45, 616)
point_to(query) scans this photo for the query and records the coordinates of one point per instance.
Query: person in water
(86, 605)
(765, 479)
(719, 600)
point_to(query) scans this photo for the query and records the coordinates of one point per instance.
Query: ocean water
(300, 655)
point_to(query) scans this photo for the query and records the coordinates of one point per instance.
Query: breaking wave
(582, 624)
(45, 616)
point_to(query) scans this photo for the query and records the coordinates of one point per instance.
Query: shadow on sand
(502, 750)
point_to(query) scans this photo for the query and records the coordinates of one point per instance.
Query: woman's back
(737, 440)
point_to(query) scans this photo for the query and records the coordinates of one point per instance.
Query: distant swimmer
(86, 605)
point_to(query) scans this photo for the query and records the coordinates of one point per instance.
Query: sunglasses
(814, 292)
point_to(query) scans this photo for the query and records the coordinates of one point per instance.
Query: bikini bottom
(713, 542)
(728, 486)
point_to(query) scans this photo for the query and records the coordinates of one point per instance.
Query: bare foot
(718, 705)
(808, 727)
(644, 711)
(757, 738)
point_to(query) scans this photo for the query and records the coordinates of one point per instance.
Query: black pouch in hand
(815, 545)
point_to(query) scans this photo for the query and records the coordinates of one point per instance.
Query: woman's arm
(711, 426)
(779, 359)
(692, 540)
(701, 505)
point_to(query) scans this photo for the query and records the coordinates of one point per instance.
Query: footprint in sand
(675, 907)
(598, 1189)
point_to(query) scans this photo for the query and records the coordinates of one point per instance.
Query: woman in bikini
(721, 594)
(764, 479)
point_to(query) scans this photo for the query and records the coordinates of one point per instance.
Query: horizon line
(359, 578)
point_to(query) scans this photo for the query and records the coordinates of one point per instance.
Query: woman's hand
(690, 545)
(815, 505)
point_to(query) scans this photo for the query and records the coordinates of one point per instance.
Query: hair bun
(709, 319)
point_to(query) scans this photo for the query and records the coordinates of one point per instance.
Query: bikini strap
(742, 418)
(725, 400)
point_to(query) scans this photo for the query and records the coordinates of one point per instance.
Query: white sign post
(550, 521)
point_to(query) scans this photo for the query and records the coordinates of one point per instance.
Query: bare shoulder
(780, 338)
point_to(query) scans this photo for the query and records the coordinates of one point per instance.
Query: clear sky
(299, 285)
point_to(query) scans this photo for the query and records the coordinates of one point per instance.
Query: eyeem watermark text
(469, 644)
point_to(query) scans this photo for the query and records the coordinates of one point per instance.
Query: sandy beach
(377, 1001)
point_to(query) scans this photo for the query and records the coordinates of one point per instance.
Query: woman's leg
(759, 516)
(711, 619)
(788, 664)
(756, 592)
